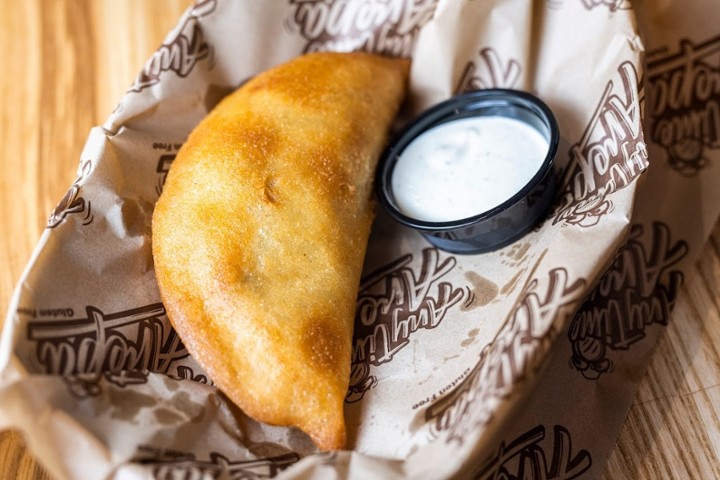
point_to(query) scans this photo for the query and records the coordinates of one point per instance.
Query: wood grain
(67, 63)
(673, 427)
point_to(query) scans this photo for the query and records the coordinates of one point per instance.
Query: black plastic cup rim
(508, 221)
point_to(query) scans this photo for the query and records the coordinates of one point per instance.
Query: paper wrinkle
(460, 363)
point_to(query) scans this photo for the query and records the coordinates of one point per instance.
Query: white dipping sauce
(465, 167)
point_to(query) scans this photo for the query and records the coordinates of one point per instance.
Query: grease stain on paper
(170, 383)
(472, 338)
(127, 403)
(516, 254)
(182, 402)
(180, 408)
(165, 416)
(482, 291)
(512, 283)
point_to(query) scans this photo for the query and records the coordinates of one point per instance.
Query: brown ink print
(121, 347)
(181, 53)
(512, 357)
(534, 455)
(72, 203)
(684, 104)
(171, 464)
(381, 26)
(637, 291)
(395, 301)
(610, 154)
(490, 70)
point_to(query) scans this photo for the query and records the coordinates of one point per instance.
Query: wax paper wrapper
(519, 363)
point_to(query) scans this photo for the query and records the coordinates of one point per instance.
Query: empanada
(260, 233)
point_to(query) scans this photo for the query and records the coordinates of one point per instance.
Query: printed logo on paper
(638, 290)
(122, 347)
(171, 464)
(380, 26)
(612, 5)
(512, 357)
(164, 161)
(181, 53)
(489, 70)
(608, 157)
(162, 169)
(72, 203)
(533, 455)
(684, 104)
(394, 302)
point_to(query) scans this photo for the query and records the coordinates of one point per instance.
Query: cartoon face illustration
(637, 291)
(683, 101)
(589, 358)
(686, 156)
(588, 212)
(360, 382)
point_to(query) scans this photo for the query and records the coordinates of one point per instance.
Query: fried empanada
(260, 233)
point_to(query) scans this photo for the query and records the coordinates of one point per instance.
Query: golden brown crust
(260, 234)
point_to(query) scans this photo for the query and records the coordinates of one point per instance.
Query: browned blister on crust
(260, 233)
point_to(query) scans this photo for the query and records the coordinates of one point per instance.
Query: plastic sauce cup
(474, 173)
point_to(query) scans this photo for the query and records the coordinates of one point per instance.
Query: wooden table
(66, 64)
